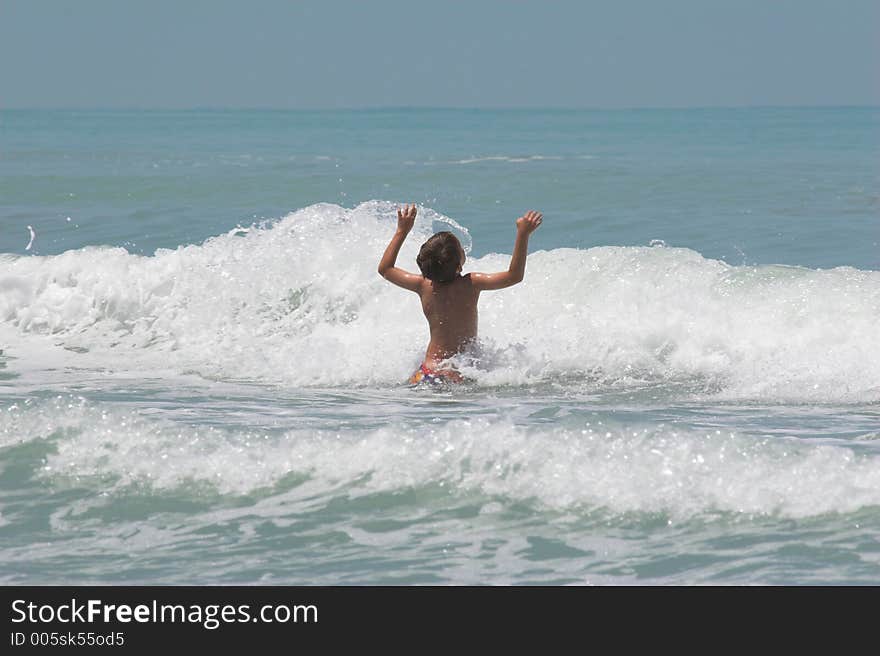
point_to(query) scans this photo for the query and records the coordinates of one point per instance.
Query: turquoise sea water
(201, 372)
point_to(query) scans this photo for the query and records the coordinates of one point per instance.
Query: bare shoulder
(480, 281)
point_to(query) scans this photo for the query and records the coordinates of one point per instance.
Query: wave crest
(298, 301)
(611, 467)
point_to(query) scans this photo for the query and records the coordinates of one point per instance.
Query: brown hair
(440, 257)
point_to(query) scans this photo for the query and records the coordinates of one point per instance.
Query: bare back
(451, 311)
(451, 307)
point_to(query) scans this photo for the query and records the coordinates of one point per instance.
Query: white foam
(299, 302)
(506, 158)
(614, 467)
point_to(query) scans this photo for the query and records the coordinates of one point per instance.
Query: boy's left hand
(406, 218)
(529, 222)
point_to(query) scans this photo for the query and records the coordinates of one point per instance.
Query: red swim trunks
(425, 375)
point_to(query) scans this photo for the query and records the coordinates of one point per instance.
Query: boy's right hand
(529, 222)
(406, 217)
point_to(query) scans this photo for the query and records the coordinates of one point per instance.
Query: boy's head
(441, 257)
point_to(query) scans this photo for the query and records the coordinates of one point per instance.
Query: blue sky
(480, 53)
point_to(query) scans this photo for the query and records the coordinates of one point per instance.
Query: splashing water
(297, 301)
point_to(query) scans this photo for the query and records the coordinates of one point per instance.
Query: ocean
(202, 376)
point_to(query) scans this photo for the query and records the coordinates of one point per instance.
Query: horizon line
(219, 108)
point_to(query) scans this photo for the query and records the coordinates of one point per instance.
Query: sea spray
(298, 302)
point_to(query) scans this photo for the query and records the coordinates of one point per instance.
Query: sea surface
(202, 376)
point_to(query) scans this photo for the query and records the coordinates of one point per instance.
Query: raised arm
(525, 226)
(405, 220)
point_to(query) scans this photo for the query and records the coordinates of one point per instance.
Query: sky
(476, 53)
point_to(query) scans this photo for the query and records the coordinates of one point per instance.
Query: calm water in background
(201, 371)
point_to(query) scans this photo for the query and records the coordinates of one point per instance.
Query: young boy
(449, 299)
